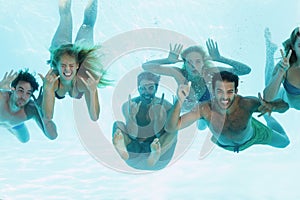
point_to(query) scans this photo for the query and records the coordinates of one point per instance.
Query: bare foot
(271, 47)
(119, 144)
(155, 152)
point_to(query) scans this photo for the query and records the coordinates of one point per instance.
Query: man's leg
(120, 140)
(161, 146)
(21, 132)
(86, 31)
(155, 152)
(63, 34)
(279, 137)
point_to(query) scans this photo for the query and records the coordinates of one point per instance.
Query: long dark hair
(289, 43)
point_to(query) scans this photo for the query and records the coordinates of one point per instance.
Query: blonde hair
(206, 58)
(88, 58)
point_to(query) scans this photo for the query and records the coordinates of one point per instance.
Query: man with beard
(16, 107)
(229, 116)
(142, 140)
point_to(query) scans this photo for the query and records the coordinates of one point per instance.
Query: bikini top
(290, 88)
(79, 95)
(199, 85)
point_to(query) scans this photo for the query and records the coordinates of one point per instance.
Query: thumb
(42, 77)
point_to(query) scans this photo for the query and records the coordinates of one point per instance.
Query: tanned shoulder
(249, 103)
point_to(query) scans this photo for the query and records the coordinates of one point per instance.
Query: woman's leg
(270, 51)
(86, 31)
(63, 34)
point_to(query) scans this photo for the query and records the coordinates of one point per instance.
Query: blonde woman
(76, 68)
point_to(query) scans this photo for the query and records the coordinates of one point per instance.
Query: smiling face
(194, 63)
(21, 94)
(67, 67)
(147, 90)
(225, 93)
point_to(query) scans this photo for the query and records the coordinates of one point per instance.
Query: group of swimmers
(147, 139)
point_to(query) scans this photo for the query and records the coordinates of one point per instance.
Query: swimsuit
(289, 88)
(199, 85)
(79, 95)
(262, 134)
(206, 96)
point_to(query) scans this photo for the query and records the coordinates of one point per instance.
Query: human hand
(285, 60)
(213, 50)
(90, 83)
(158, 114)
(265, 107)
(174, 53)
(49, 79)
(183, 91)
(133, 107)
(7, 80)
(157, 109)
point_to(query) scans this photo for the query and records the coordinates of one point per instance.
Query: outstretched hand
(7, 80)
(49, 79)
(213, 50)
(90, 83)
(174, 53)
(285, 60)
(265, 107)
(133, 107)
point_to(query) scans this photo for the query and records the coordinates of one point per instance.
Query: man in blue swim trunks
(229, 116)
(16, 90)
(142, 140)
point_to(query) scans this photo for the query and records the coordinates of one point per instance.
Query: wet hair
(289, 43)
(87, 57)
(191, 49)
(225, 76)
(26, 77)
(201, 51)
(56, 54)
(148, 76)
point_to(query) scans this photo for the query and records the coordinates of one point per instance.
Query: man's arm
(48, 127)
(130, 109)
(263, 106)
(174, 120)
